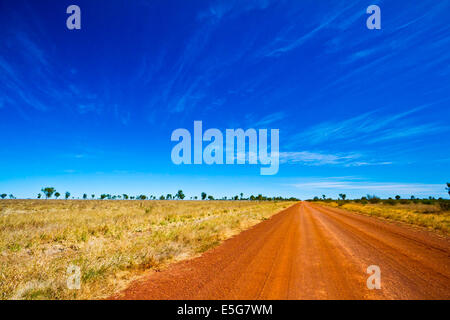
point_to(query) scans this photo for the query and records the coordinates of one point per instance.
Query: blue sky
(92, 110)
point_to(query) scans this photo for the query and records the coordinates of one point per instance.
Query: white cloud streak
(324, 186)
(368, 128)
(321, 159)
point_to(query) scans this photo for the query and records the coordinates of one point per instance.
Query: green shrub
(390, 202)
(445, 205)
(374, 200)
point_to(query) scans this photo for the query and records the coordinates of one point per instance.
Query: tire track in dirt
(412, 260)
(309, 252)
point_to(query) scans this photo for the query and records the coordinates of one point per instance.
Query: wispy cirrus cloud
(231, 8)
(415, 131)
(360, 186)
(369, 128)
(359, 55)
(290, 39)
(321, 159)
(30, 79)
(12, 88)
(268, 119)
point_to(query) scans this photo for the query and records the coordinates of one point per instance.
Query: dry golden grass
(429, 216)
(113, 242)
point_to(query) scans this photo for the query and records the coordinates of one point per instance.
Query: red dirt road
(310, 252)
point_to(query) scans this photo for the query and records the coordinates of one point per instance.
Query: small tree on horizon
(180, 194)
(203, 195)
(3, 195)
(397, 197)
(85, 196)
(67, 195)
(48, 191)
(57, 194)
(448, 188)
(93, 196)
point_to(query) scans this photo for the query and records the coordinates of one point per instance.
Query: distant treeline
(373, 199)
(50, 192)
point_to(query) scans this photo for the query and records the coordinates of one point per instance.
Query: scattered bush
(374, 199)
(390, 202)
(445, 205)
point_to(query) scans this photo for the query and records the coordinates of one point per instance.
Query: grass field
(113, 242)
(430, 216)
